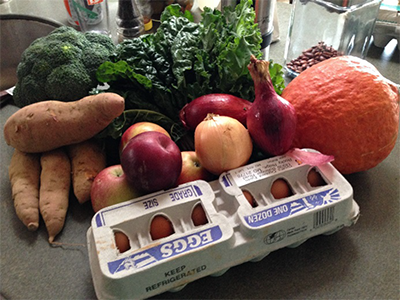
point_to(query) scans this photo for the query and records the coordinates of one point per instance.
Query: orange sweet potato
(87, 160)
(55, 183)
(24, 174)
(48, 125)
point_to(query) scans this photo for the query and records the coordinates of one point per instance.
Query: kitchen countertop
(359, 262)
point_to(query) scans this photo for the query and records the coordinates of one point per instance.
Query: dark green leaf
(132, 116)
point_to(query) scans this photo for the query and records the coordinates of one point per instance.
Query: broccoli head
(61, 66)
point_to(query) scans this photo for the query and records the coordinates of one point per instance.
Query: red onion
(220, 104)
(271, 120)
(310, 157)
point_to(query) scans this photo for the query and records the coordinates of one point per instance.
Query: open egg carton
(242, 221)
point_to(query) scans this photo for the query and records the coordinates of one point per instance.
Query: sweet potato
(87, 160)
(55, 183)
(48, 125)
(24, 174)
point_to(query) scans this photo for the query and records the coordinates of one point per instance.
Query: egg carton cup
(236, 231)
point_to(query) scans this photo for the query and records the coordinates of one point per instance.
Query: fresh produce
(111, 187)
(48, 125)
(199, 215)
(184, 60)
(271, 120)
(192, 169)
(347, 109)
(55, 183)
(24, 174)
(311, 158)
(61, 66)
(220, 104)
(160, 227)
(151, 162)
(88, 158)
(138, 128)
(132, 116)
(222, 143)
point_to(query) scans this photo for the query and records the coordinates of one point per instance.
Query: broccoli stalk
(61, 66)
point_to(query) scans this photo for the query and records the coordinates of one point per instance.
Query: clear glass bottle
(147, 12)
(320, 29)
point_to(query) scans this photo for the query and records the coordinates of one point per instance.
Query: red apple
(151, 162)
(192, 169)
(137, 128)
(109, 187)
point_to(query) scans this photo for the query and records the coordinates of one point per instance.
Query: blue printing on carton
(227, 182)
(194, 191)
(293, 207)
(166, 250)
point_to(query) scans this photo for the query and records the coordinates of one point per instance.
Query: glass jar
(89, 15)
(147, 13)
(320, 29)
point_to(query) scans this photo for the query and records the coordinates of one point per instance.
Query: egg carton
(235, 232)
(387, 25)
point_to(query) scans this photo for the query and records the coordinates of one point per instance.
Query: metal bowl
(16, 34)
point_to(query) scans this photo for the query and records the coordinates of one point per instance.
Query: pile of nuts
(312, 56)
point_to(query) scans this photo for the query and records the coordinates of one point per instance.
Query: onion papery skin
(220, 104)
(222, 143)
(271, 120)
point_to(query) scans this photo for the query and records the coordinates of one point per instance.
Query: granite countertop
(358, 262)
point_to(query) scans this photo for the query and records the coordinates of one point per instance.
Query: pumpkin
(347, 109)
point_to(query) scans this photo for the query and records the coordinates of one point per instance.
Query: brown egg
(160, 227)
(199, 216)
(315, 179)
(249, 197)
(280, 189)
(121, 241)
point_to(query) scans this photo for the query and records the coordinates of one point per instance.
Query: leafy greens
(183, 60)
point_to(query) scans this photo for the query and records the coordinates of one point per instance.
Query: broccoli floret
(29, 90)
(100, 39)
(41, 69)
(61, 66)
(68, 80)
(93, 57)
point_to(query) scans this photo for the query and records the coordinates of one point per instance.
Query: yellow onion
(222, 143)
